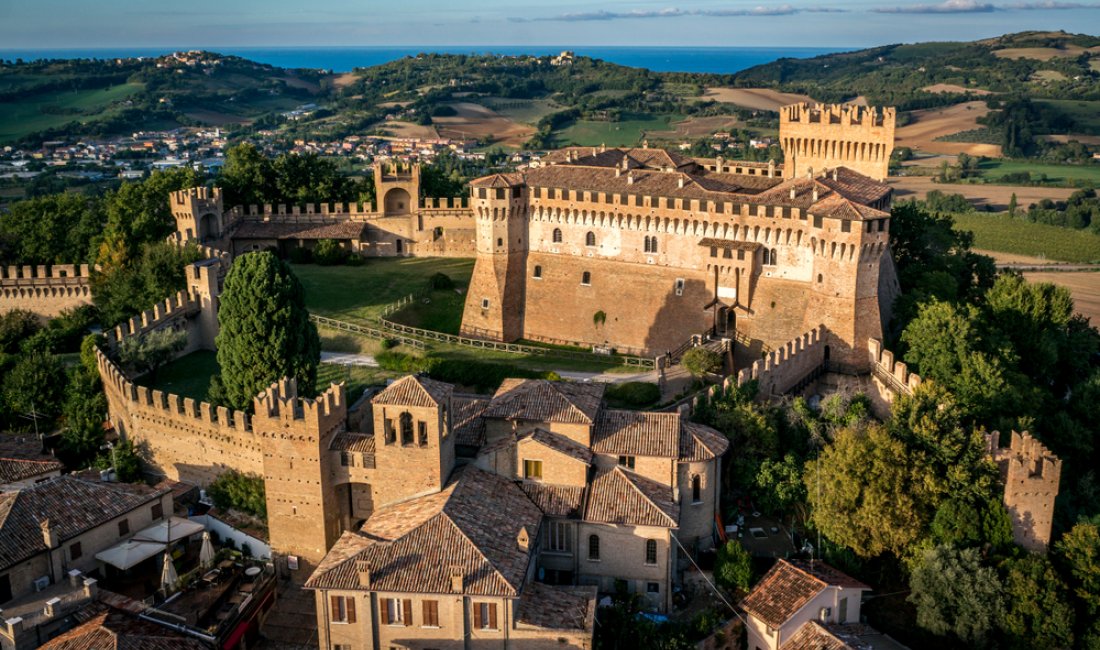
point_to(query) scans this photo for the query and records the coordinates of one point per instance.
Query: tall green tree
(955, 594)
(1037, 612)
(35, 384)
(53, 229)
(247, 177)
(265, 332)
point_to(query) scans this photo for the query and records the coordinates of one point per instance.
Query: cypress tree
(264, 331)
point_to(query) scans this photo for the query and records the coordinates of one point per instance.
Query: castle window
(500, 193)
(388, 432)
(590, 239)
(342, 609)
(626, 461)
(559, 538)
(696, 489)
(817, 221)
(538, 272)
(123, 527)
(557, 235)
(345, 459)
(75, 551)
(727, 253)
(594, 548)
(870, 226)
(652, 244)
(484, 303)
(517, 192)
(638, 200)
(500, 241)
(399, 246)
(406, 419)
(740, 253)
(845, 226)
(532, 469)
(586, 278)
(714, 251)
(651, 551)
(819, 278)
(422, 433)
(482, 193)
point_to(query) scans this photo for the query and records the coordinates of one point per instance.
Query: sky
(811, 23)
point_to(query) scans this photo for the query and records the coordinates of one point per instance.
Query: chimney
(456, 579)
(834, 173)
(618, 172)
(91, 587)
(630, 178)
(810, 173)
(794, 193)
(815, 195)
(680, 182)
(523, 539)
(49, 535)
(362, 567)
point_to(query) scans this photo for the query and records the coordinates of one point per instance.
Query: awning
(129, 553)
(170, 530)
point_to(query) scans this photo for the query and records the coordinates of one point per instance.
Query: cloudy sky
(842, 23)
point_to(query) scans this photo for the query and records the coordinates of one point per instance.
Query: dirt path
(927, 125)
(995, 196)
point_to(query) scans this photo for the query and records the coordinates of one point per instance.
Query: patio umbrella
(168, 576)
(206, 553)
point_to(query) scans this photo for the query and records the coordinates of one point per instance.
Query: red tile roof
(469, 426)
(699, 442)
(557, 608)
(546, 401)
(635, 433)
(413, 390)
(619, 496)
(555, 500)
(116, 630)
(558, 443)
(789, 586)
(24, 460)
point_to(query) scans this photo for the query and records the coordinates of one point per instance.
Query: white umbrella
(129, 553)
(206, 553)
(168, 576)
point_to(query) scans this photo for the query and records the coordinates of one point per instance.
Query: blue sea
(720, 60)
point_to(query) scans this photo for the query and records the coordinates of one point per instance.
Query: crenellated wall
(788, 366)
(45, 290)
(1031, 475)
(889, 377)
(816, 137)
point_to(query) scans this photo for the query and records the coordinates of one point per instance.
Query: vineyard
(1021, 237)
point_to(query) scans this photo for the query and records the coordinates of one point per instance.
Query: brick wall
(44, 290)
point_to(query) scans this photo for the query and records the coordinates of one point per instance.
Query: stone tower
(199, 214)
(823, 136)
(495, 299)
(1031, 474)
(302, 509)
(397, 189)
(204, 281)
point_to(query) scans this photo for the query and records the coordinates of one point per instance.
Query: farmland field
(994, 197)
(1019, 236)
(1084, 286)
(1086, 114)
(626, 132)
(55, 109)
(525, 111)
(764, 99)
(927, 126)
(994, 169)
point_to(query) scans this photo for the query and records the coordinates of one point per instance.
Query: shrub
(441, 282)
(328, 253)
(633, 394)
(15, 327)
(239, 491)
(400, 361)
(701, 361)
(733, 567)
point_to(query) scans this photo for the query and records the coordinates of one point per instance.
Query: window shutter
(493, 615)
(334, 608)
(408, 620)
(351, 609)
(384, 606)
(477, 616)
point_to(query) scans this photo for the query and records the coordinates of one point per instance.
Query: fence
(365, 331)
(513, 348)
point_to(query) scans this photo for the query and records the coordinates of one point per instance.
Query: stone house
(22, 464)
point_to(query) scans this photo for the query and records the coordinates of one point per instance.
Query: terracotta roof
(72, 506)
(634, 433)
(699, 442)
(113, 629)
(555, 500)
(362, 443)
(498, 180)
(557, 608)
(636, 157)
(559, 443)
(466, 420)
(288, 230)
(540, 400)
(789, 585)
(855, 186)
(814, 636)
(412, 390)
(22, 459)
(473, 523)
(619, 496)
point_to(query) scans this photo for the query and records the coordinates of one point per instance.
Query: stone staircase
(292, 624)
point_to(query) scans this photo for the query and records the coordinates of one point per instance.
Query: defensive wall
(45, 290)
(1031, 475)
(890, 379)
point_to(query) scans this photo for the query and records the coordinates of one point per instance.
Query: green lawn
(627, 132)
(49, 110)
(188, 376)
(1007, 235)
(994, 169)
(362, 291)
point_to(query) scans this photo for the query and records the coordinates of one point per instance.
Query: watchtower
(1031, 475)
(199, 213)
(397, 188)
(819, 137)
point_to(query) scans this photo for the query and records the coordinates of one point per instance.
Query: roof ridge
(627, 474)
(804, 572)
(572, 406)
(477, 549)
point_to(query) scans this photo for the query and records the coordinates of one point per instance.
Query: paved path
(348, 359)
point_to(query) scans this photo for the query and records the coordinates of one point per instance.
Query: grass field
(627, 132)
(18, 119)
(994, 169)
(526, 111)
(1019, 236)
(1086, 114)
(188, 376)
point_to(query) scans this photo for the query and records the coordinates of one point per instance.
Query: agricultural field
(1084, 113)
(51, 110)
(1084, 286)
(761, 99)
(696, 127)
(927, 126)
(954, 88)
(524, 111)
(995, 169)
(629, 131)
(982, 195)
(1044, 53)
(1021, 237)
(476, 122)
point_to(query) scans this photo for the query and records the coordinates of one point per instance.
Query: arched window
(696, 489)
(774, 258)
(557, 235)
(406, 428)
(590, 239)
(593, 547)
(651, 551)
(538, 271)
(586, 278)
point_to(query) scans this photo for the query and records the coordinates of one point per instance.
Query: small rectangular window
(390, 432)
(422, 433)
(817, 221)
(75, 551)
(345, 459)
(740, 253)
(500, 193)
(484, 303)
(727, 253)
(485, 616)
(845, 226)
(626, 461)
(157, 511)
(714, 251)
(123, 527)
(679, 286)
(532, 469)
(431, 613)
(653, 587)
(342, 609)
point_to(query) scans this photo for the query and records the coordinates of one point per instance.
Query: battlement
(268, 210)
(182, 305)
(196, 200)
(784, 368)
(894, 374)
(44, 274)
(1025, 458)
(846, 115)
(1031, 475)
(281, 400)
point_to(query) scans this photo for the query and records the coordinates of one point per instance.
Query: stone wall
(889, 378)
(44, 290)
(786, 367)
(824, 136)
(1031, 475)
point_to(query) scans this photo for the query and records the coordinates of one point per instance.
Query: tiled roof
(72, 506)
(855, 186)
(730, 243)
(22, 459)
(540, 400)
(557, 608)
(362, 443)
(560, 444)
(789, 585)
(699, 442)
(473, 523)
(636, 157)
(412, 390)
(288, 230)
(619, 496)
(113, 629)
(814, 636)
(635, 433)
(555, 500)
(498, 180)
(469, 427)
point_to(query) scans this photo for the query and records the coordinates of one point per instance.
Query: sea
(716, 60)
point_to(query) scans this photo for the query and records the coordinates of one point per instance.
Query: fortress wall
(45, 290)
(822, 136)
(1031, 475)
(785, 367)
(318, 210)
(890, 378)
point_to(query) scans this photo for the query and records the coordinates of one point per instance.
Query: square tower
(824, 136)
